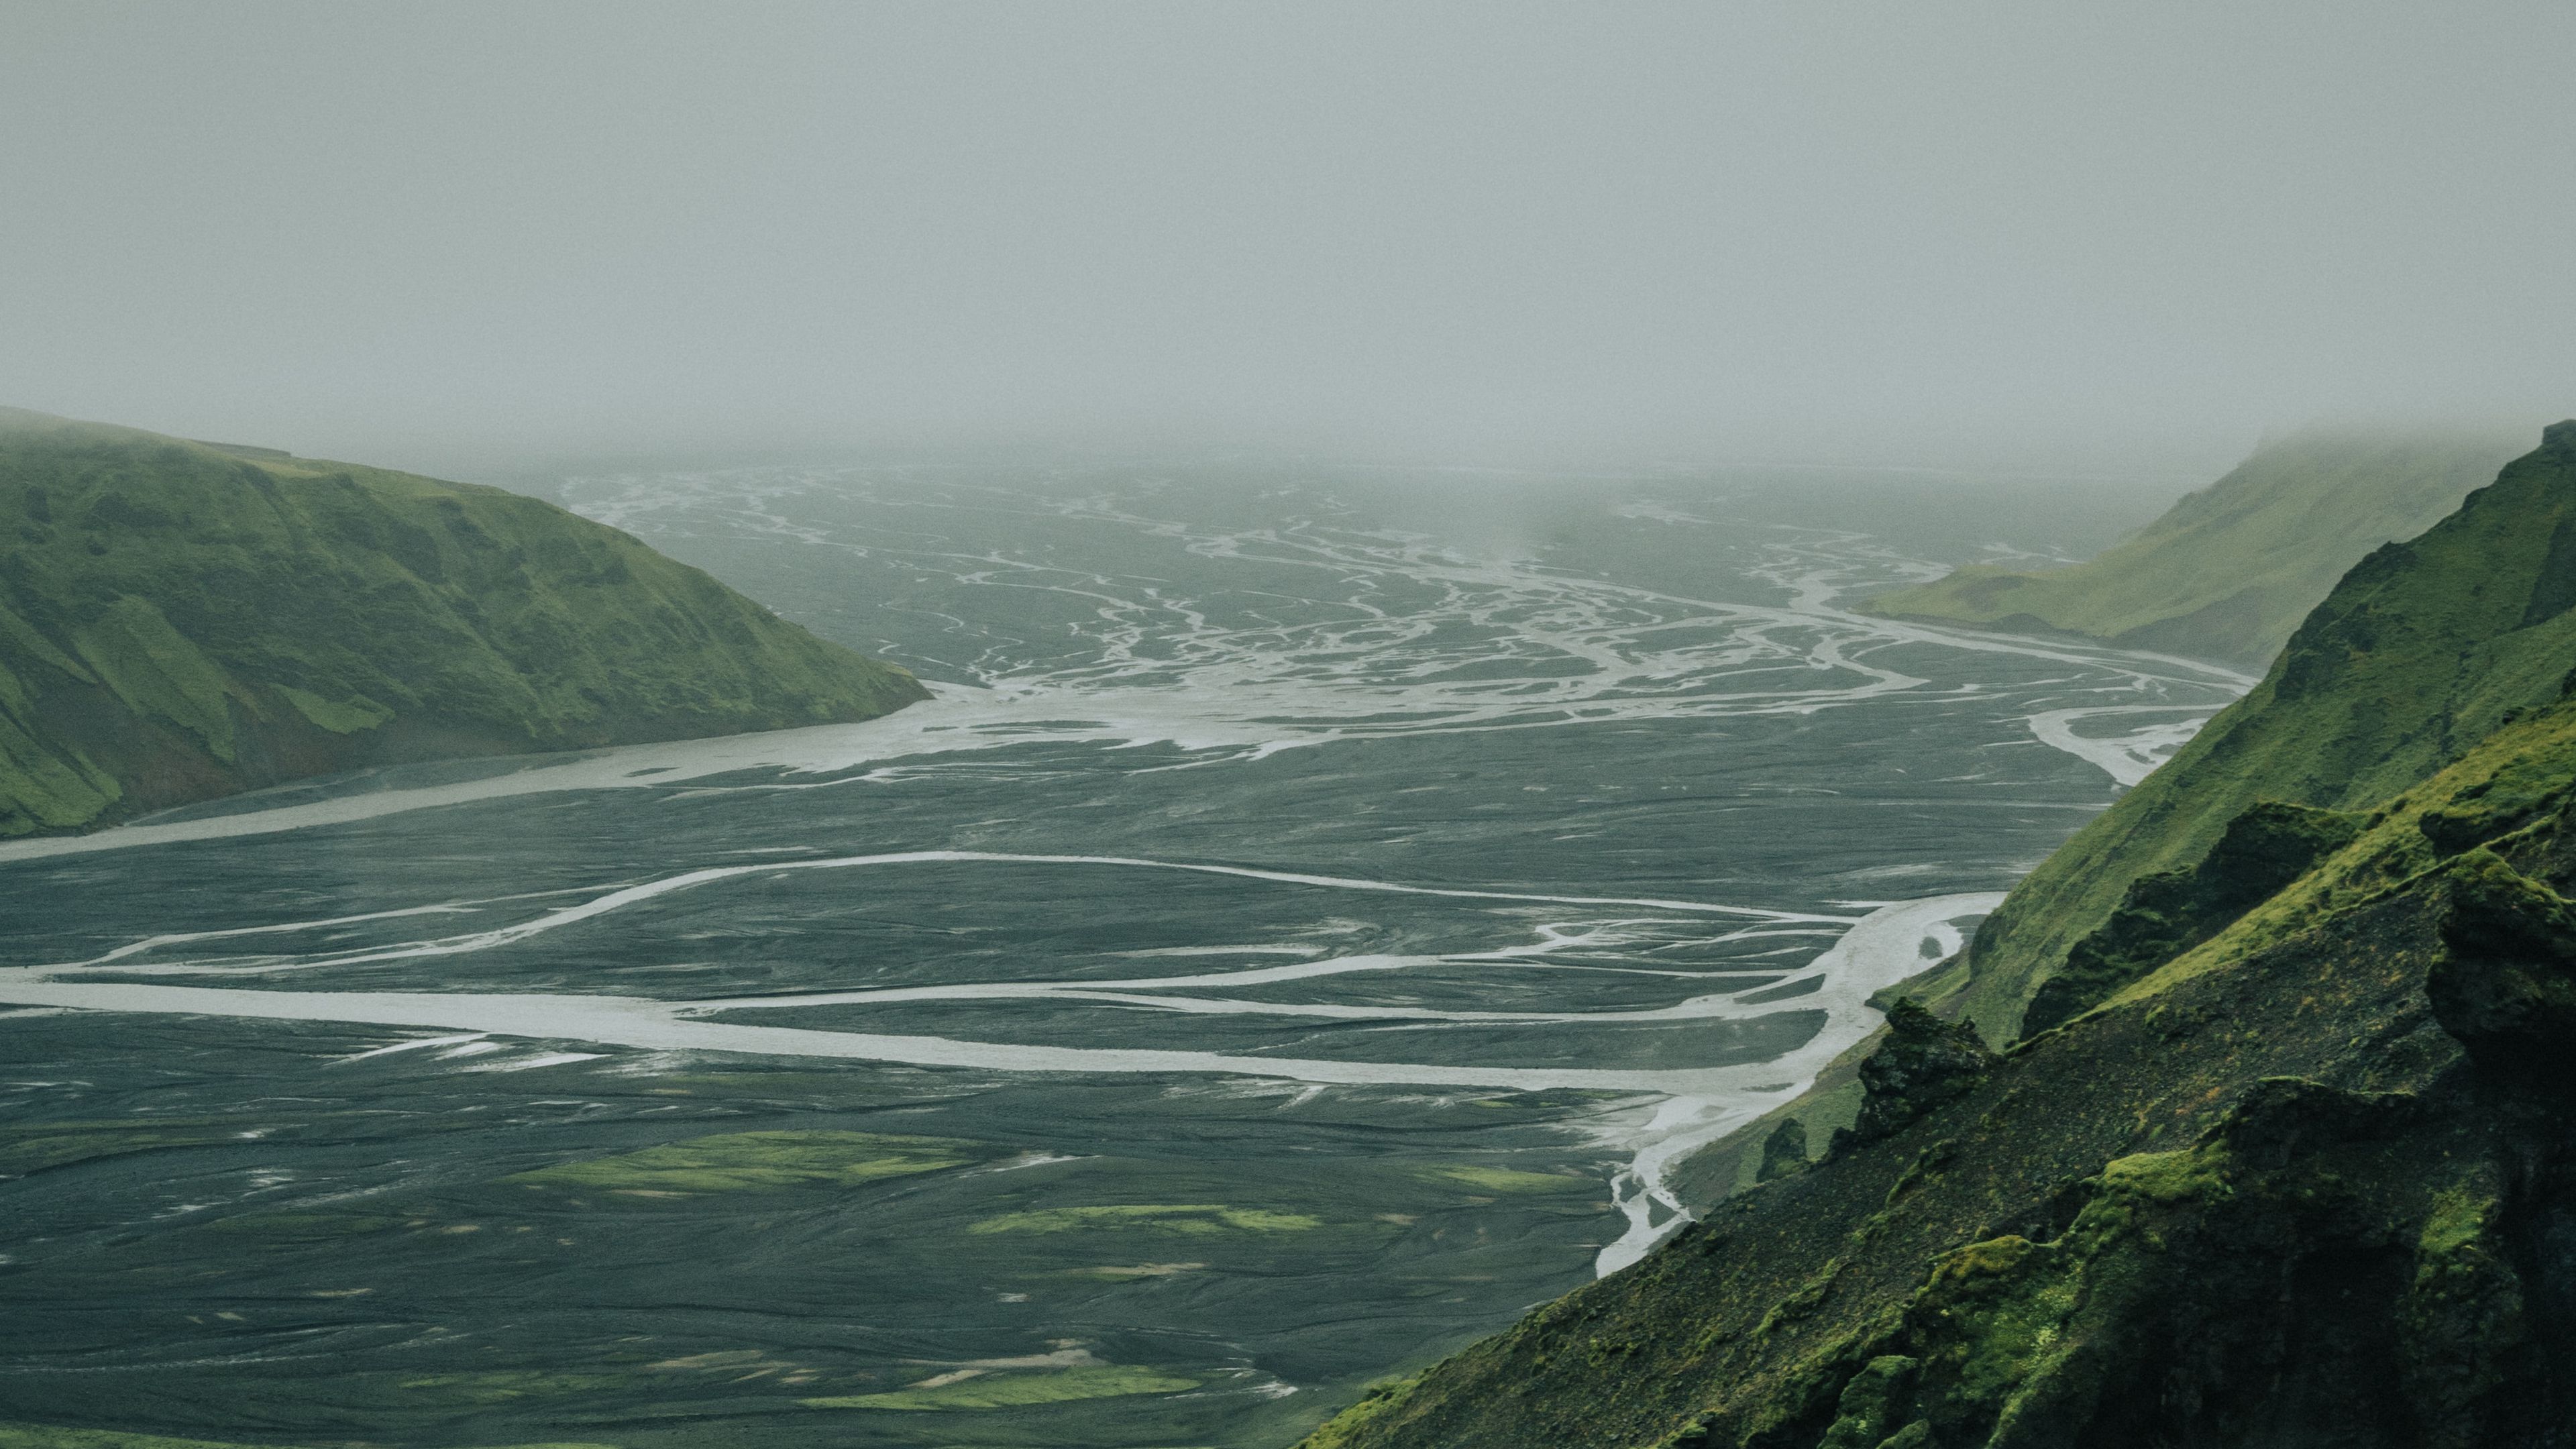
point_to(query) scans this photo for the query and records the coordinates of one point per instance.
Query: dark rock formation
(2169, 912)
(1784, 1151)
(2507, 986)
(1923, 1063)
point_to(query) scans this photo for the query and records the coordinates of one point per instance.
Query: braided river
(1319, 912)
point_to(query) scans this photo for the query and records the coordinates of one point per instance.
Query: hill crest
(2228, 572)
(182, 620)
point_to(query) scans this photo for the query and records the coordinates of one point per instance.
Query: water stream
(1315, 915)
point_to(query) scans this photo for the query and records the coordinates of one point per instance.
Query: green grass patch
(1012, 1391)
(757, 1162)
(305, 1227)
(1501, 1179)
(40, 1146)
(1199, 1219)
(340, 717)
(1132, 1272)
(504, 1386)
(1343, 1429)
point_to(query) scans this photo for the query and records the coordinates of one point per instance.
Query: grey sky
(1882, 231)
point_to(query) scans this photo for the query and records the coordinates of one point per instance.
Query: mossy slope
(2422, 649)
(2297, 1166)
(2168, 912)
(2305, 1185)
(2228, 572)
(180, 621)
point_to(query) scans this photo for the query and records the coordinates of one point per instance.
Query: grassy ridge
(2292, 1185)
(2419, 652)
(2229, 571)
(2265, 1196)
(180, 621)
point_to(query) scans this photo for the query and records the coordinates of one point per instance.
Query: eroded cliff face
(2289, 1160)
(180, 621)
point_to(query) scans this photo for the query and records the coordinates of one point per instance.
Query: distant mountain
(183, 620)
(2288, 1157)
(2227, 572)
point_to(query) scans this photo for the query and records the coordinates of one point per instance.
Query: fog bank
(1986, 234)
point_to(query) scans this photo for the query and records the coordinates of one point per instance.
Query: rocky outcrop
(1784, 1151)
(1922, 1063)
(2507, 986)
(2169, 912)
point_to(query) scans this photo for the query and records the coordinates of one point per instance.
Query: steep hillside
(2296, 1166)
(2308, 1185)
(2230, 570)
(180, 621)
(2420, 651)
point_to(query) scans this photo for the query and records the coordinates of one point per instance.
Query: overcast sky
(1902, 231)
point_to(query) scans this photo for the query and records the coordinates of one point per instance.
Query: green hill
(2421, 650)
(2227, 572)
(183, 620)
(2292, 1168)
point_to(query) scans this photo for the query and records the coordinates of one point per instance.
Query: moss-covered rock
(1921, 1063)
(2169, 912)
(1876, 1405)
(180, 621)
(1784, 1151)
(2507, 986)
(2462, 1324)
